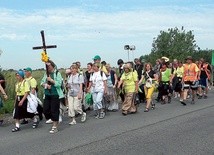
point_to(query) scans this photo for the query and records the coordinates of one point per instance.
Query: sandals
(153, 106)
(146, 110)
(124, 113)
(15, 129)
(53, 130)
(35, 124)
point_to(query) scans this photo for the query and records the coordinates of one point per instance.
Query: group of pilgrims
(101, 89)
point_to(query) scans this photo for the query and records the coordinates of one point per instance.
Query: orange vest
(190, 72)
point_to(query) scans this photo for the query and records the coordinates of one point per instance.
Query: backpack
(62, 85)
(3, 84)
(101, 73)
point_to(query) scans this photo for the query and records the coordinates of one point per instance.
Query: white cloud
(72, 23)
(67, 25)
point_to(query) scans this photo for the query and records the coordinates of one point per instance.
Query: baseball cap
(28, 69)
(97, 57)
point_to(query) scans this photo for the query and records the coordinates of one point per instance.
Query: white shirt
(74, 81)
(97, 81)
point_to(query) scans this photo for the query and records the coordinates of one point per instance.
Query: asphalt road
(170, 129)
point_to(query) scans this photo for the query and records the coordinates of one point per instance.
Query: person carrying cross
(53, 93)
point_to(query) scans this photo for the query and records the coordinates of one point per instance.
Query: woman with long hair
(150, 77)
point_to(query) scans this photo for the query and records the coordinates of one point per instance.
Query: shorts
(191, 84)
(203, 82)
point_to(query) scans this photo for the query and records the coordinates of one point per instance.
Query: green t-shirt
(166, 75)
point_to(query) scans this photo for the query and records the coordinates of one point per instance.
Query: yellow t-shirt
(129, 80)
(103, 68)
(32, 82)
(179, 71)
(21, 88)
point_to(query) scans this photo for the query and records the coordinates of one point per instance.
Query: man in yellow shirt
(33, 90)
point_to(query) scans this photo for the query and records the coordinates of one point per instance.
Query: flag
(212, 58)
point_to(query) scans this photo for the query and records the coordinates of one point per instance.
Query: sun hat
(165, 58)
(20, 73)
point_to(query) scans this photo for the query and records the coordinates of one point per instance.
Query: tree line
(176, 44)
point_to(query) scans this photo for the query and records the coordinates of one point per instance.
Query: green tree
(173, 43)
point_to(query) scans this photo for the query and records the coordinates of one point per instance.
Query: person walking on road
(22, 90)
(150, 77)
(98, 88)
(74, 85)
(190, 79)
(53, 93)
(129, 82)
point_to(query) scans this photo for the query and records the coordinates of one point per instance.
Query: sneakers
(102, 115)
(53, 130)
(73, 122)
(97, 116)
(49, 121)
(83, 118)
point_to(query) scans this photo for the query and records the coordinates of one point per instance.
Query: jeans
(97, 99)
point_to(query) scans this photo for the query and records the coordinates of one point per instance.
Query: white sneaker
(73, 122)
(83, 118)
(53, 130)
(49, 121)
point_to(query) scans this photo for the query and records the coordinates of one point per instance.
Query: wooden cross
(44, 47)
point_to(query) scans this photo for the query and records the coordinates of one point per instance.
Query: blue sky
(84, 28)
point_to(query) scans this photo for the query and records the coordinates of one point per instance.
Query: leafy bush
(8, 107)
